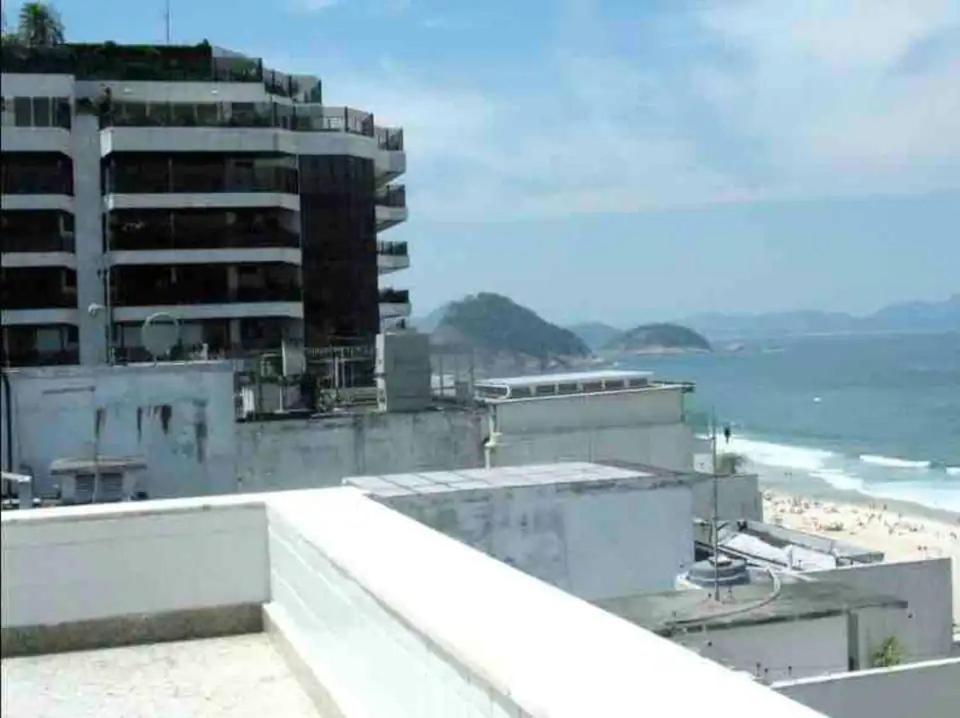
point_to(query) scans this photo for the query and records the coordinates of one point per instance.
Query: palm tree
(40, 25)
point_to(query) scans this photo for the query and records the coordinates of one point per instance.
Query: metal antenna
(716, 512)
(166, 19)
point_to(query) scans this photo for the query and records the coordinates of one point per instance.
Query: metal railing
(301, 118)
(392, 249)
(37, 357)
(389, 138)
(394, 296)
(392, 196)
(37, 243)
(151, 240)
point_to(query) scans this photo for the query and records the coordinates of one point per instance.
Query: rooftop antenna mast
(166, 19)
(716, 509)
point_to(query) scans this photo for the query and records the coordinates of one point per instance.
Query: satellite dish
(160, 333)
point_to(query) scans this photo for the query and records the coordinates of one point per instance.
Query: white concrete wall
(930, 689)
(643, 426)
(396, 620)
(666, 446)
(926, 587)
(178, 417)
(90, 562)
(88, 223)
(776, 651)
(21, 84)
(595, 542)
(321, 452)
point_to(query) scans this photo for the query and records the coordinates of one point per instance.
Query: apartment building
(192, 181)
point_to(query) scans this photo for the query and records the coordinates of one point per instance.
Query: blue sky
(636, 160)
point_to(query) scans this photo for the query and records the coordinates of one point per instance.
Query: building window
(21, 111)
(63, 117)
(41, 111)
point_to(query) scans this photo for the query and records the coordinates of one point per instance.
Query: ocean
(876, 414)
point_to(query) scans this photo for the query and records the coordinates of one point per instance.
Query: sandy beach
(900, 530)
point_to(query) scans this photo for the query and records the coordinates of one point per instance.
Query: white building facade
(194, 182)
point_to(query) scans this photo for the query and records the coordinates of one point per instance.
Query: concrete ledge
(295, 652)
(130, 630)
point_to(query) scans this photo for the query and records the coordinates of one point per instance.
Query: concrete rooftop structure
(665, 613)
(374, 613)
(589, 476)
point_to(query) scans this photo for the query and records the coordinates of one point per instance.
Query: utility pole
(716, 512)
(166, 19)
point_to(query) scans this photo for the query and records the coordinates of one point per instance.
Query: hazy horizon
(625, 161)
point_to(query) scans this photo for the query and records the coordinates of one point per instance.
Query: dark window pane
(63, 112)
(41, 111)
(21, 111)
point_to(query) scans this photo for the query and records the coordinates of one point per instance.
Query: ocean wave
(801, 458)
(924, 493)
(840, 480)
(953, 470)
(892, 462)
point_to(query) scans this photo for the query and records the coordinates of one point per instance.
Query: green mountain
(653, 338)
(595, 334)
(494, 324)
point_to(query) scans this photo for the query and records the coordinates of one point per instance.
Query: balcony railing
(179, 295)
(394, 296)
(389, 138)
(392, 196)
(392, 249)
(37, 357)
(32, 179)
(155, 175)
(37, 243)
(158, 239)
(303, 118)
(12, 297)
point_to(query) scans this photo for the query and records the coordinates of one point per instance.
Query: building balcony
(391, 203)
(206, 228)
(394, 303)
(35, 173)
(38, 202)
(37, 287)
(37, 357)
(25, 317)
(224, 310)
(392, 256)
(201, 200)
(34, 258)
(36, 139)
(232, 255)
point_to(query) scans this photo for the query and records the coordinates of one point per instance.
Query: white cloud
(825, 89)
(806, 100)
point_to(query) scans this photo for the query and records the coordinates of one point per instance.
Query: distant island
(595, 335)
(905, 317)
(658, 339)
(504, 335)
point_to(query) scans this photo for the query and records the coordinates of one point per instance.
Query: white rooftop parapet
(377, 614)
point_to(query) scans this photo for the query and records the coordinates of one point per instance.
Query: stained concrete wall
(926, 587)
(321, 452)
(775, 651)
(596, 542)
(178, 417)
(930, 689)
(642, 426)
